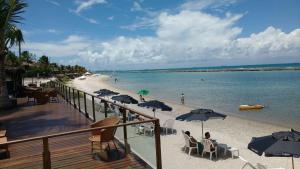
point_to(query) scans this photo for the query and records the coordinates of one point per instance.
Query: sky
(145, 34)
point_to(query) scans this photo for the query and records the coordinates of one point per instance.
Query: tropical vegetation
(10, 35)
(10, 16)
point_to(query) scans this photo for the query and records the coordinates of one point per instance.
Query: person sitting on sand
(207, 137)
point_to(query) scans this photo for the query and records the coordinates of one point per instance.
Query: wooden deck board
(67, 152)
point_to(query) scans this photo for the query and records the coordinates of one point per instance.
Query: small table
(233, 150)
(225, 147)
(4, 147)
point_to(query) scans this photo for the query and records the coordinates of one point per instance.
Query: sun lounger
(258, 166)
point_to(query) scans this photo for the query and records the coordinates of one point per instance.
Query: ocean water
(279, 91)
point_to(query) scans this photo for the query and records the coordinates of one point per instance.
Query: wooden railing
(65, 92)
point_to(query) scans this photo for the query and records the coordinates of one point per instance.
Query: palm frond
(10, 12)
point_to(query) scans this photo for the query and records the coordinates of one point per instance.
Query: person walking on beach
(116, 80)
(182, 98)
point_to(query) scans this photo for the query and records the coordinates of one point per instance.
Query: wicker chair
(41, 97)
(104, 135)
(30, 96)
(52, 94)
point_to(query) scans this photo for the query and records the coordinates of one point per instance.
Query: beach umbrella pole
(293, 162)
(202, 129)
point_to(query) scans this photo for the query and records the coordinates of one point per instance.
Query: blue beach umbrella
(155, 104)
(105, 92)
(201, 115)
(279, 144)
(125, 99)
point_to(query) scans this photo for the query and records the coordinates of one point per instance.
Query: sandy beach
(233, 131)
(37, 81)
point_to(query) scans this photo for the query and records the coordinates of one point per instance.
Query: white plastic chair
(206, 148)
(118, 113)
(148, 128)
(188, 142)
(168, 125)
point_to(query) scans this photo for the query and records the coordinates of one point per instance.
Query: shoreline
(191, 106)
(234, 131)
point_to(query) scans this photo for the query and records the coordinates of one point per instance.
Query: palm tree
(19, 39)
(10, 11)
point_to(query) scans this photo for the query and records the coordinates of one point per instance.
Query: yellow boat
(251, 107)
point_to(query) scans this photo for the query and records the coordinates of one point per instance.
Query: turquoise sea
(279, 91)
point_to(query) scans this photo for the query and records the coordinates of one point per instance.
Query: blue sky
(135, 34)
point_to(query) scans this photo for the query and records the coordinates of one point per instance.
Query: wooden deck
(27, 120)
(72, 151)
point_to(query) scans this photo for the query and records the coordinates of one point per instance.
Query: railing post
(85, 109)
(127, 148)
(46, 154)
(105, 108)
(59, 88)
(78, 98)
(93, 107)
(70, 99)
(157, 144)
(66, 93)
(62, 90)
(74, 98)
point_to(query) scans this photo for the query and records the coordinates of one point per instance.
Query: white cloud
(136, 7)
(110, 18)
(54, 31)
(70, 46)
(86, 4)
(143, 23)
(188, 37)
(53, 2)
(91, 20)
(202, 4)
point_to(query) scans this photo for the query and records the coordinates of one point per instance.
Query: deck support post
(46, 154)
(85, 108)
(157, 144)
(127, 147)
(93, 108)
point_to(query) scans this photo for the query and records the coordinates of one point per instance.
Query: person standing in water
(116, 80)
(182, 98)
